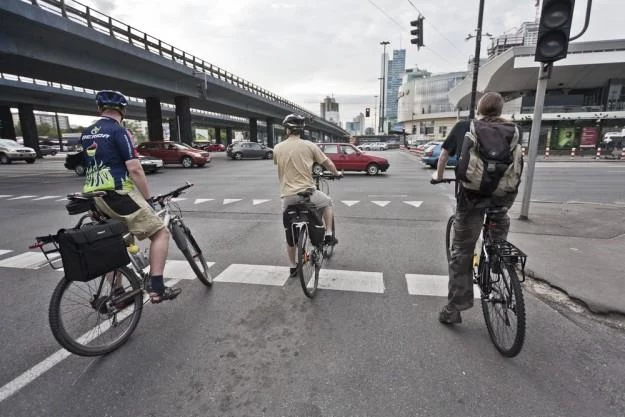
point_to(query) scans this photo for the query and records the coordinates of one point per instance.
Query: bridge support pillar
(253, 130)
(270, 132)
(218, 135)
(7, 128)
(229, 136)
(183, 117)
(155, 118)
(29, 127)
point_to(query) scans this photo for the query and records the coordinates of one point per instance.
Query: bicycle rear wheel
(328, 250)
(449, 236)
(307, 263)
(191, 251)
(504, 310)
(96, 317)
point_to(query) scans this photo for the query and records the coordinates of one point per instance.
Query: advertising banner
(589, 137)
(566, 137)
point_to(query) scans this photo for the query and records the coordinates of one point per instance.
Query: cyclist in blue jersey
(112, 166)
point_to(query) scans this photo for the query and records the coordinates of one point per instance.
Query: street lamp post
(375, 113)
(382, 109)
(476, 59)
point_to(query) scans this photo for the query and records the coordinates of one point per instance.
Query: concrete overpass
(69, 43)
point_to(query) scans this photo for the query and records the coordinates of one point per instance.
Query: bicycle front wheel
(191, 251)
(307, 264)
(449, 236)
(96, 317)
(504, 310)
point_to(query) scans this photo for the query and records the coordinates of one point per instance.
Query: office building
(329, 110)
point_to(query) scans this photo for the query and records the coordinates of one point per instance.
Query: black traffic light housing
(417, 32)
(554, 30)
(367, 112)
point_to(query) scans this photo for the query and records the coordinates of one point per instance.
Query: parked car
(347, 157)
(48, 150)
(420, 149)
(211, 147)
(11, 151)
(74, 162)
(242, 150)
(433, 152)
(175, 153)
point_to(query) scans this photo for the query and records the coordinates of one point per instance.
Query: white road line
(42, 367)
(257, 202)
(381, 203)
(22, 197)
(432, 285)
(231, 200)
(388, 195)
(416, 204)
(350, 203)
(175, 200)
(255, 274)
(202, 200)
(180, 270)
(5, 251)
(6, 195)
(358, 281)
(26, 260)
(47, 197)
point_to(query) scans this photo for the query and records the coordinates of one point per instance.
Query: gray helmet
(294, 121)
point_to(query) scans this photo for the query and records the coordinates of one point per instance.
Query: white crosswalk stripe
(416, 204)
(26, 260)
(350, 203)
(381, 203)
(5, 251)
(47, 197)
(257, 202)
(22, 197)
(433, 285)
(231, 200)
(358, 281)
(6, 195)
(202, 200)
(180, 270)
(254, 274)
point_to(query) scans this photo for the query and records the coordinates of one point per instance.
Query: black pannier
(295, 213)
(93, 249)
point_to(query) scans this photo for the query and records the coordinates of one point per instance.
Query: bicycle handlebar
(329, 176)
(444, 180)
(172, 194)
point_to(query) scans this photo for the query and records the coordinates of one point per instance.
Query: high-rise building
(357, 126)
(526, 35)
(396, 69)
(329, 110)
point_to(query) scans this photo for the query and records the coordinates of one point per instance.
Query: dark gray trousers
(468, 223)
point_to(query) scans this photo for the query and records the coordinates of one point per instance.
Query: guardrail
(86, 16)
(172, 107)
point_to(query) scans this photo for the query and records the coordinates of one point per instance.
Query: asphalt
(576, 247)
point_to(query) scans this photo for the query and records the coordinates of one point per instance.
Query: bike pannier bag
(295, 214)
(93, 250)
(491, 161)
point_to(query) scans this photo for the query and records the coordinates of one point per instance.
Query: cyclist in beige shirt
(295, 158)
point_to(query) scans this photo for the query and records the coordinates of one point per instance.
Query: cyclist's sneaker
(167, 294)
(330, 240)
(449, 315)
(292, 272)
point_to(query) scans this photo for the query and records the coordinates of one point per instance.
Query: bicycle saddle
(496, 210)
(306, 193)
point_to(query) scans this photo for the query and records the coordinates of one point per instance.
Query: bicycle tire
(88, 339)
(183, 237)
(449, 236)
(328, 250)
(308, 269)
(508, 288)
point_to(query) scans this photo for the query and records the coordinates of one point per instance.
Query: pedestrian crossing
(205, 201)
(371, 282)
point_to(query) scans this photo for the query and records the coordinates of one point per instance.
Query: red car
(175, 153)
(212, 147)
(347, 157)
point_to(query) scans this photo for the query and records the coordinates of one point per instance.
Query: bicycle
(96, 317)
(495, 273)
(311, 252)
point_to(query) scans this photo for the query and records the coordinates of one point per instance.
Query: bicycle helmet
(109, 99)
(294, 121)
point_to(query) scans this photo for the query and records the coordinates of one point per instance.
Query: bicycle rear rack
(509, 254)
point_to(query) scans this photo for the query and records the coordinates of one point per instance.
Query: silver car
(11, 151)
(242, 150)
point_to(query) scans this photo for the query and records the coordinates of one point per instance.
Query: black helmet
(294, 121)
(110, 99)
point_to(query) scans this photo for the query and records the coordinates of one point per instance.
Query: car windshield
(9, 143)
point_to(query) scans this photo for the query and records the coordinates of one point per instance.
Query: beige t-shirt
(294, 158)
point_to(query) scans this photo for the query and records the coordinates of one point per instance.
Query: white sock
(328, 233)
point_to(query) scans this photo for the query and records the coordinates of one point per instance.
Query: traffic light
(554, 30)
(418, 32)
(367, 112)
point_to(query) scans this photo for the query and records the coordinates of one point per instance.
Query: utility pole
(375, 113)
(382, 107)
(476, 60)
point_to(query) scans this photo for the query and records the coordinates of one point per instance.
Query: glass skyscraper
(395, 72)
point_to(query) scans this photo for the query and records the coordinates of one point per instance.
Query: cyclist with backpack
(489, 173)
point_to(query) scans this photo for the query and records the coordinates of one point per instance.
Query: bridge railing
(86, 16)
(90, 92)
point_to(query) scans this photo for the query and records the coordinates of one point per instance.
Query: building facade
(357, 126)
(329, 110)
(395, 72)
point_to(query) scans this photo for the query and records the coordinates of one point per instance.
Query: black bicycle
(96, 317)
(308, 232)
(495, 273)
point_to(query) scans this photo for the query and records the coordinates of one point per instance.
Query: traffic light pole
(544, 74)
(476, 60)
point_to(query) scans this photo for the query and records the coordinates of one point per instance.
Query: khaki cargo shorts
(131, 207)
(319, 199)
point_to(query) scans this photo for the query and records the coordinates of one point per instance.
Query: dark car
(48, 150)
(243, 150)
(75, 162)
(347, 157)
(175, 153)
(433, 152)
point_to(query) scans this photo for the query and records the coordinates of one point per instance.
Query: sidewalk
(578, 248)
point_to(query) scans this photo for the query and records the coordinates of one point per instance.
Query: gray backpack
(491, 161)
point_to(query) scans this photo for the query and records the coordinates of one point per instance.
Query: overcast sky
(304, 50)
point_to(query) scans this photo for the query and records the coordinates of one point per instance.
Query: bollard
(598, 153)
(523, 151)
(547, 152)
(572, 153)
(623, 153)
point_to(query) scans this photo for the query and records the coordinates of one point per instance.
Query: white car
(11, 151)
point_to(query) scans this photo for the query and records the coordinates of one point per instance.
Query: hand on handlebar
(152, 201)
